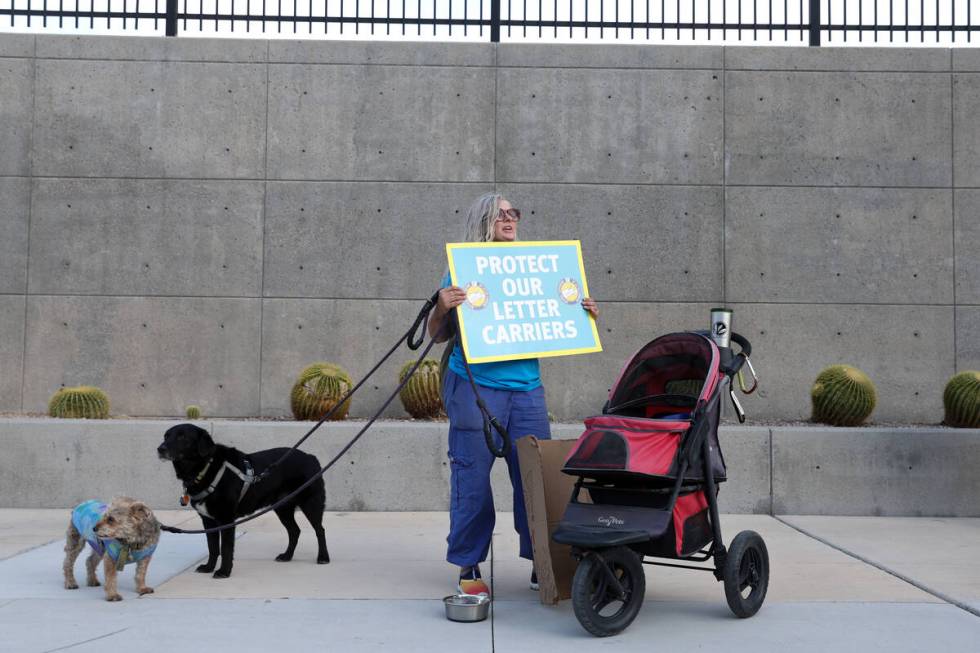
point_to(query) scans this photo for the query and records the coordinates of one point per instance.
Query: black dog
(222, 484)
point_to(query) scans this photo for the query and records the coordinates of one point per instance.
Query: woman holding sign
(513, 393)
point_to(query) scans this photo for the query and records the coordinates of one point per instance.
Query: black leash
(488, 419)
(414, 342)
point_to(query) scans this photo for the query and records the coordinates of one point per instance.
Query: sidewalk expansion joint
(925, 588)
(30, 548)
(93, 639)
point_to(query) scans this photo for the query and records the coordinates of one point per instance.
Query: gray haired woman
(513, 393)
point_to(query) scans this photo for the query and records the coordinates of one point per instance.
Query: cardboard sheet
(546, 493)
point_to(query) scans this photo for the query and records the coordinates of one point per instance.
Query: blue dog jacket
(86, 515)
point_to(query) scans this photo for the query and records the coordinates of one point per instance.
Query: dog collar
(123, 553)
(185, 498)
(204, 471)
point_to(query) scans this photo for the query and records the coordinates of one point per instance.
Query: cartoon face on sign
(568, 291)
(476, 295)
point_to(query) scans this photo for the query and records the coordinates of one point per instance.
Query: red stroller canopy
(674, 364)
(649, 413)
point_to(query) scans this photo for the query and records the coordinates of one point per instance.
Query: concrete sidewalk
(838, 583)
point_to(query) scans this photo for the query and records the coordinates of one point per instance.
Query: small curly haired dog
(124, 531)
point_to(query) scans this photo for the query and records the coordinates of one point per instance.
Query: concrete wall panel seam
(724, 178)
(952, 167)
(30, 213)
(324, 64)
(496, 113)
(772, 471)
(838, 70)
(265, 208)
(609, 68)
(49, 58)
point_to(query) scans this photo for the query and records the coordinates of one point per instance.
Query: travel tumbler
(721, 327)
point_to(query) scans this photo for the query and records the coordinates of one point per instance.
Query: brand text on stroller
(610, 521)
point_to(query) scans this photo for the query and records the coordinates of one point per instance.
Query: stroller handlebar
(743, 343)
(734, 363)
(731, 362)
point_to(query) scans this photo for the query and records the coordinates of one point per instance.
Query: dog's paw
(284, 557)
(222, 573)
(113, 597)
(93, 583)
(71, 585)
(145, 590)
(323, 560)
(204, 569)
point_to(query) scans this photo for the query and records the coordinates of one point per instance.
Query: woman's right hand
(451, 297)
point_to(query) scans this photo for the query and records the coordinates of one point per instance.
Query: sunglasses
(509, 215)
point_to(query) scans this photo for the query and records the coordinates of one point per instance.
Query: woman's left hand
(589, 304)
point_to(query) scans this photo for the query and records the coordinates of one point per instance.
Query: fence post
(495, 21)
(814, 22)
(171, 18)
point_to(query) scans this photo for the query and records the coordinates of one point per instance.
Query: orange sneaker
(471, 583)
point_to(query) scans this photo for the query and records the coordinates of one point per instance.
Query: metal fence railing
(804, 22)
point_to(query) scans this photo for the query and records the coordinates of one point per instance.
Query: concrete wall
(402, 465)
(192, 221)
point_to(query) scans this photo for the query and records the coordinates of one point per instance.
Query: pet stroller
(648, 470)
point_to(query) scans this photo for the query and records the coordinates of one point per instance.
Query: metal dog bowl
(466, 607)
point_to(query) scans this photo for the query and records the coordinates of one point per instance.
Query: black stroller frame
(633, 516)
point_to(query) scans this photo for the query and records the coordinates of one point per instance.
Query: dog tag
(184, 499)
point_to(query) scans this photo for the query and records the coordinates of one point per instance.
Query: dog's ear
(147, 524)
(205, 445)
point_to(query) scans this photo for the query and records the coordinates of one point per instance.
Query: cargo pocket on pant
(459, 467)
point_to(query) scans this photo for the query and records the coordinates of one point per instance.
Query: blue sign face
(523, 300)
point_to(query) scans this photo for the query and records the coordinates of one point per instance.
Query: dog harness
(84, 518)
(247, 477)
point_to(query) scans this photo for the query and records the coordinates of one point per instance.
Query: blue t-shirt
(522, 375)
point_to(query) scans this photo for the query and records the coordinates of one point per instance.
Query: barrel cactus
(421, 396)
(842, 396)
(81, 401)
(962, 400)
(193, 412)
(318, 389)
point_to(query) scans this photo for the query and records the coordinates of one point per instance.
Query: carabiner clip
(741, 379)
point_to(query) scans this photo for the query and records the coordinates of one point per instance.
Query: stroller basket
(677, 530)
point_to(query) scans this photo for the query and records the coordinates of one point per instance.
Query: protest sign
(523, 300)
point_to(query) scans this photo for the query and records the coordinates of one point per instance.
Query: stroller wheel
(746, 574)
(599, 606)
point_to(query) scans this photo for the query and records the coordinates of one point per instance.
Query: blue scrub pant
(471, 511)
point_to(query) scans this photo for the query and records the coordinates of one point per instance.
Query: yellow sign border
(451, 247)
